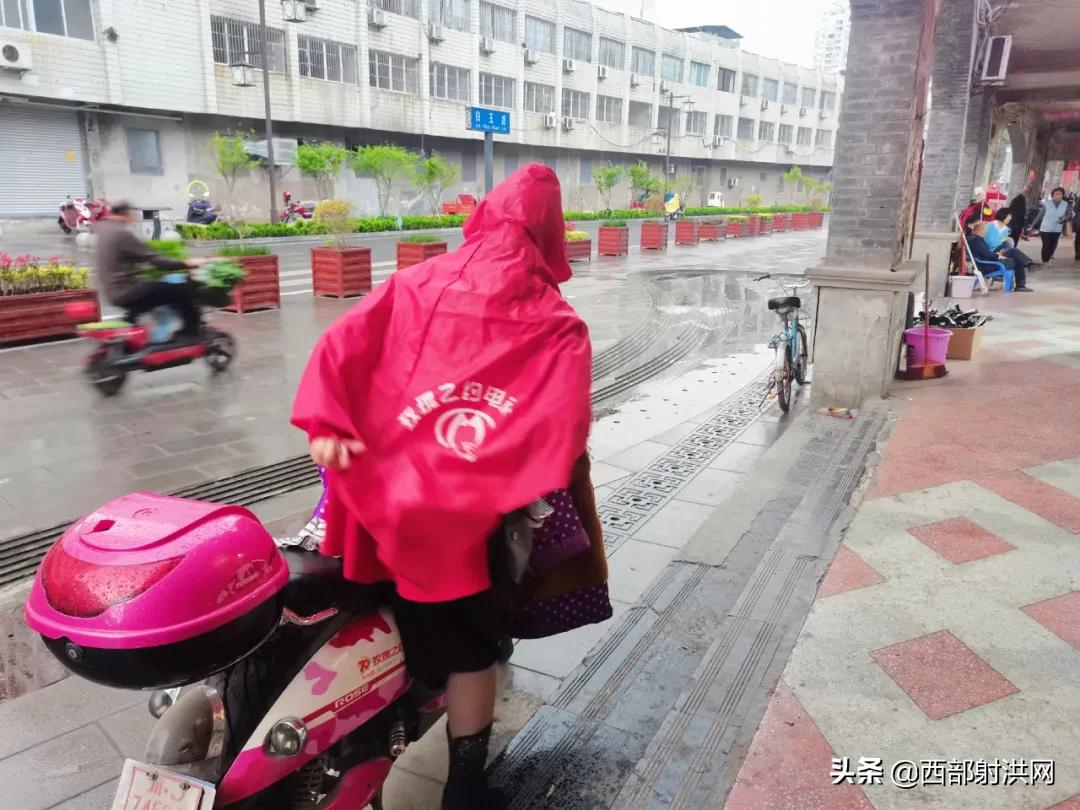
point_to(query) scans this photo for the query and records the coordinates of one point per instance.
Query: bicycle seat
(787, 302)
(317, 583)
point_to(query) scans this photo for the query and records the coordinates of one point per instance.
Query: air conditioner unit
(568, 123)
(733, 182)
(550, 120)
(635, 80)
(531, 56)
(665, 87)
(672, 169)
(435, 33)
(996, 61)
(487, 45)
(377, 18)
(718, 140)
(568, 66)
(764, 104)
(15, 56)
(601, 71)
(802, 112)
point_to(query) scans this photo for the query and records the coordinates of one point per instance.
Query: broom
(927, 370)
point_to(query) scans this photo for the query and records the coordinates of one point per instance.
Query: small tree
(321, 162)
(336, 216)
(433, 176)
(389, 166)
(792, 178)
(605, 179)
(684, 187)
(701, 183)
(642, 181)
(231, 159)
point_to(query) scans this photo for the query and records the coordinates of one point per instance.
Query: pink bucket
(934, 347)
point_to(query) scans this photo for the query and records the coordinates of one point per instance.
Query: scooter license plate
(150, 787)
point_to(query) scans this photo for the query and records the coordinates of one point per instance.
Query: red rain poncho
(467, 377)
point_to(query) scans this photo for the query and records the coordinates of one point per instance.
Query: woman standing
(1051, 222)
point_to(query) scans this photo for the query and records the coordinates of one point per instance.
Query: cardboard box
(964, 343)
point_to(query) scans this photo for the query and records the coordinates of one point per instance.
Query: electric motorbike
(201, 212)
(78, 214)
(295, 211)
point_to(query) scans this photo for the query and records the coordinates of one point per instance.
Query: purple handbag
(561, 537)
(559, 614)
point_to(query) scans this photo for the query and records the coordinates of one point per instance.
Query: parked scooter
(295, 211)
(279, 684)
(78, 214)
(201, 212)
(673, 207)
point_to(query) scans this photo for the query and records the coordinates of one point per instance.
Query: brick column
(973, 165)
(864, 281)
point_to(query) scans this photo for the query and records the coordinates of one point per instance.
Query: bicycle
(793, 339)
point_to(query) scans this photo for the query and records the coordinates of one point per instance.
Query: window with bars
(787, 132)
(496, 91)
(612, 53)
(392, 71)
(609, 109)
(144, 151)
(539, 34)
(766, 132)
(723, 126)
(63, 18)
(577, 45)
(699, 74)
(238, 41)
(808, 97)
(326, 59)
(455, 14)
(726, 81)
(450, 83)
(575, 104)
(696, 121)
(828, 101)
(497, 22)
(749, 85)
(671, 68)
(642, 62)
(539, 98)
(770, 90)
(641, 114)
(790, 93)
(746, 129)
(408, 8)
(823, 139)
(805, 136)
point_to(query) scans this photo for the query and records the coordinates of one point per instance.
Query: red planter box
(41, 315)
(711, 233)
(738, 229)
(817, 219)
(410, 253)
(754, 223)
(613, 241)
(765, 226)
(341, 273)
(687, 232)
(654, 235)
(579, 249)
(778, 223)
(261, 287)
(800, 222)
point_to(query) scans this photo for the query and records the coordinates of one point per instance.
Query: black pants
(1076, 245)
(181, 297)
(1018, 268)
(1050, 243)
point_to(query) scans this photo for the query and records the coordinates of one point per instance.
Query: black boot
(466, 784)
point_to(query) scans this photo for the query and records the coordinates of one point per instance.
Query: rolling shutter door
(42, 160)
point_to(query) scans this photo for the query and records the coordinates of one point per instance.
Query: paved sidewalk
(948, 626)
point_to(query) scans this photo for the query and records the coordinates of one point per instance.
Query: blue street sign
(484, 120)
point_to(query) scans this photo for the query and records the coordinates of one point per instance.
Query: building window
(770, 90)
(609, 109)
(642, 62)
(239, 41)
(699, 74)
(641, 114)
(496, 91)
(663, 116)
(585, 170)
(823, 139)
(453, 14)
(577, 45)
(749, 85)
(392, 71)
(497, 22)
(14, 14)
(828, 101)
(510, 165)
(726, 82)
(696, 122)
(790, 93)
(723, 126)
(766, 132)
(746, 129)
(612, 53)
(144, 151)
(671, 68)
(539, 98)
(407, 8)
(787, 132)
(468, 167)
(450, 83)
(64, 18)
(805, 136)
(575, 104)
(809, 96)
(539, 34)
(325, 59)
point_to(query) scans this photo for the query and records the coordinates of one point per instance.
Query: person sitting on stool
(983, 253)
(998, 238)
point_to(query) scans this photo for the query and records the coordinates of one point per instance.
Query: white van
(716, 199)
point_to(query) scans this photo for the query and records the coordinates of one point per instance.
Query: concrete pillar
(864, 280)
(1020, 140)
(976, 145)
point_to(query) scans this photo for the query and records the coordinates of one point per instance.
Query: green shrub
(375, 224)
(243, 250)
(577, 236)
(424, 223)
(613, 223)
(421, 238)
(336, 216)
(174, 249)
(213, 231)
(22, 275)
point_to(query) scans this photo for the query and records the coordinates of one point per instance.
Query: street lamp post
(667, 151)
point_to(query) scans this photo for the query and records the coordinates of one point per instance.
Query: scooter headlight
(287, 737)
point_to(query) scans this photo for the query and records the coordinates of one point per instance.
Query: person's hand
(335, 454)
(199, 262)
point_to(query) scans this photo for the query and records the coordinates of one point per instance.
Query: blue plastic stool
(998, 271)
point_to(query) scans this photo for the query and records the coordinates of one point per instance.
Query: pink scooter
(278, 684)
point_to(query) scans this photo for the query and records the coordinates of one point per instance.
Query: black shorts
(442, 638)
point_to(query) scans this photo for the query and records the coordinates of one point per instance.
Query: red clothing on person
(467, 377)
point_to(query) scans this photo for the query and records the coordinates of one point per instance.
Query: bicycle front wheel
(783, 381)
(801, 360)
